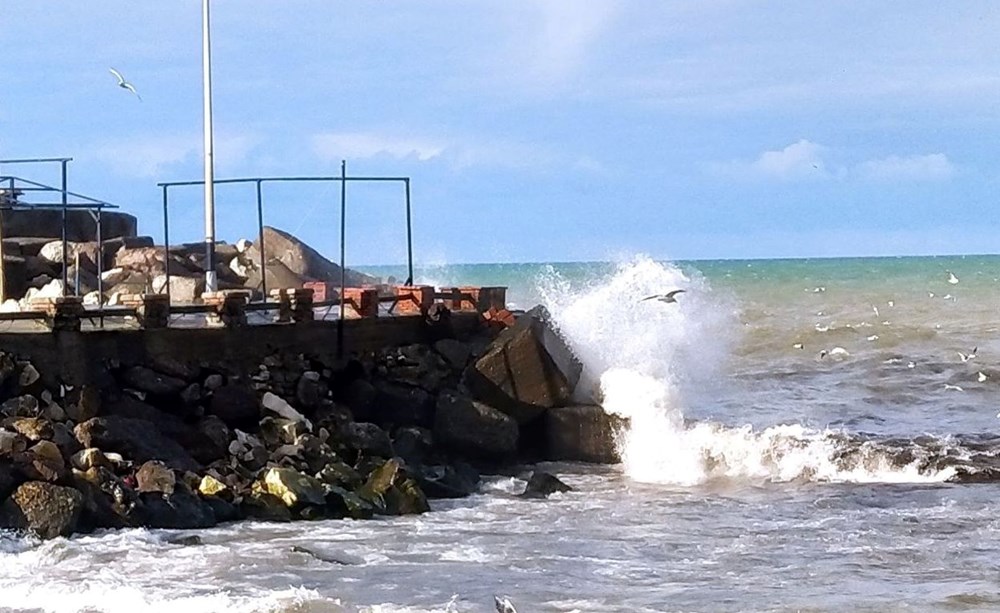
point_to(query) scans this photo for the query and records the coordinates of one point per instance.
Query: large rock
(397, 405)
(276, 274)
(47, 510)
(183, 288)
(154, 476)
(541, 484)
(474, 428)
(292, 487)
(80, 226)
(136, 439)
(149, 381)
(236, 405)
(526, 370)
(180, 510)
(582, 434)
(303, 260)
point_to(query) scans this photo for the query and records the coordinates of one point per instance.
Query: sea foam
(644, 359)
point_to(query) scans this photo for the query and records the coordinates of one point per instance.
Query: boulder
(137, 439)
(345, 503)
(236, 405)
(92, 457)
(267, 507)
(368, 438)
(397, 404)
(278, 405)
(15, 270)
(541, 484)
(44, 462)
(448, 481)
(413, 443)
(32, 428)
(149, 381)
(474, 428)
(185, 289)
(310, 390)
(10, 478)
(20, 406)
(43, 508)
(527, 369)
(84, 403)
(303, 260)
(582, 433)
(293, 488)
(80, 226)
(456, 353)
(107, 501)
(276, 274)
(154, 476)
(180, 510)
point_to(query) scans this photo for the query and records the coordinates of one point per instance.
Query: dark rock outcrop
(475, 428)
(47, 510)
(582, 433)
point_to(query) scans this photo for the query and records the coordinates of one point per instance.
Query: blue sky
(533, 131)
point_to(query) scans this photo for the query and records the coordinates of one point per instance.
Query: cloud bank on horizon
(542, 130)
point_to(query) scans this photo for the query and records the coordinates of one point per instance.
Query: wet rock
(474, 428)
(448, 481)
(319, 556)
(65, 440)
(293, 488)
(368, 438)
(154, 476)
(210, 486)
(344, 503)
(340, 474)
(29, 376)
(416, 366)
(179, 510)
(236, 405)
(542, 484)
(582, 434)
(135, 438)
(43, 508)
(526, 370)
(149, 381)
(413, 443)
(187, 540)
(266, 507)
(214, 382)
(12, 443)
(107, 501)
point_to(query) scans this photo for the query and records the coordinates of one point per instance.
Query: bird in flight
(668, 297)
(122, 83)
(965, 357)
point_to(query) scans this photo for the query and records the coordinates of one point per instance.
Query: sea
(806, 435)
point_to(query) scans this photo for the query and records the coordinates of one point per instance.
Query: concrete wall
(80, 357)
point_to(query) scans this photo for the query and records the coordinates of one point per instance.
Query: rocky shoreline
(173, 444)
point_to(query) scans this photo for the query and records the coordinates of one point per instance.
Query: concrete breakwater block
(583, 433)
(527, 369)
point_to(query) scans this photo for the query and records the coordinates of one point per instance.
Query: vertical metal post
(3, 271)
(100, 265)
(260, 242)
(409, 236)
(343, 251)
(65, 220)
(211, 284)
(166, 243)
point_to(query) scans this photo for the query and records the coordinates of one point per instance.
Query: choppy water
(758, 476)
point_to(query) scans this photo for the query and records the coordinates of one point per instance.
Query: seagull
(122, 83)
(875, 308)
(503, 604)
(952, 278)
(953, 388)
(965, 357)
(982, 376)
(668, 297)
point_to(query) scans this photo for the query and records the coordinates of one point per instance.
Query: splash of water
(642, 359)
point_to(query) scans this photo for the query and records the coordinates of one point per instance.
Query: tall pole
(210, 281)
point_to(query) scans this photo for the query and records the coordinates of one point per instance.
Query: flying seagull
(503, 604)
(668, 297)
(969, 356)
(122, 83)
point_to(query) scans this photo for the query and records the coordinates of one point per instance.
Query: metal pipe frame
(343, 179)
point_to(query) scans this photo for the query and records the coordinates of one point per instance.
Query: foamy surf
(643, 358)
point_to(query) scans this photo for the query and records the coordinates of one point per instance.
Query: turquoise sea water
(807, 435)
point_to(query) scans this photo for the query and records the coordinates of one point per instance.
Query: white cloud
(800, 160)
(568, 32)
(154, 156)
(342, 145)
(931, 167)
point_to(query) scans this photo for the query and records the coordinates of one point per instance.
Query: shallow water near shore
(765, 471)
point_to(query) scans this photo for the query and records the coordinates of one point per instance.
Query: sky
(537, 130)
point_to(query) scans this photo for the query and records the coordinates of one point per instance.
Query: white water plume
(642, 358)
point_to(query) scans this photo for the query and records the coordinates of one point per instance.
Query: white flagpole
(211, 284)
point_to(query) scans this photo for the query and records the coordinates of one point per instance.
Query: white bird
(953, 388)
(982, 376)
(965, 357)
(668, 297)
(797, 346)
(875, 308)
(952, 278)
(503, 604)
(122, 83)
